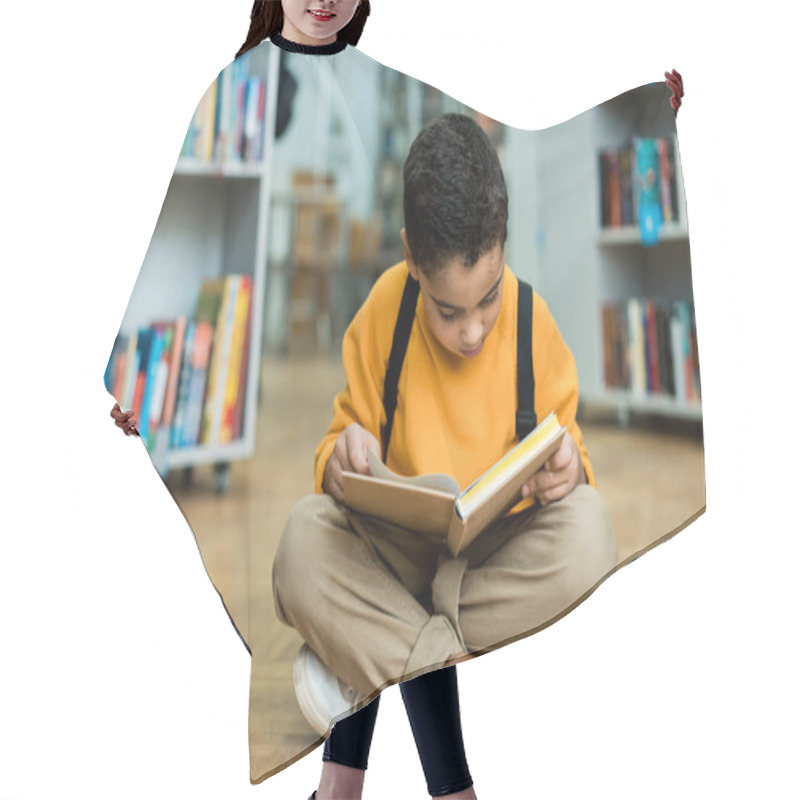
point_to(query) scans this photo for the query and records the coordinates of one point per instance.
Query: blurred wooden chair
(315, 255)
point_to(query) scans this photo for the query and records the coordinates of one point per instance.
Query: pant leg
(527, 569)
(351, 738)
(432, 706)
(355, 589)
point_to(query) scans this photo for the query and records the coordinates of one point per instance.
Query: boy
(374, 602)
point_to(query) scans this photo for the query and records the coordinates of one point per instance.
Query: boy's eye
(453, 314)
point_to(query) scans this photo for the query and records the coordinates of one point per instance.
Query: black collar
(311, 49)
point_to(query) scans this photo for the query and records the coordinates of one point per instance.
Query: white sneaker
(322, 697)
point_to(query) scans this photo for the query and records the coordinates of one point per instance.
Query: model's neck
(312, 49)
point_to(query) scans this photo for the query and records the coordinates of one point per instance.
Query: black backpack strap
(402, 333)
(526, 415)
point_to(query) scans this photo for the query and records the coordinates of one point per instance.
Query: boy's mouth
(474, 352)
(322, 16)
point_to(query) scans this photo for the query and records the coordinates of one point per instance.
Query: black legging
(431, 702)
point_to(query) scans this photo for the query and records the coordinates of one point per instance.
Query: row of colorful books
(645, 168)
(650, 348)
(228, 124)
(188, 376)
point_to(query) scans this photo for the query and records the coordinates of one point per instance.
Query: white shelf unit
(580, 266)
(214, 221)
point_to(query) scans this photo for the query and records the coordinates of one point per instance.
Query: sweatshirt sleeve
(556, 378)
(365, 354)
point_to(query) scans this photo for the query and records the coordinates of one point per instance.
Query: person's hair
(266, 19)
(454, 194)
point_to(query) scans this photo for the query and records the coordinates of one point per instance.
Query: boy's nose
(472, 335)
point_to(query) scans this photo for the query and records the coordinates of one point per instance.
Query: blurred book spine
(650, 349)
(619, 183)
(185, 379)
(228, 124)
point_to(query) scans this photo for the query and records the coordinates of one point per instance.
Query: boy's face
(462, 303)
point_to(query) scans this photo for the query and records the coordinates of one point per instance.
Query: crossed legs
(378, 603)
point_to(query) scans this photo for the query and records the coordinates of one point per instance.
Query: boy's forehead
(459, 286)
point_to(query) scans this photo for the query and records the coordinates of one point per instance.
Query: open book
(434, 505)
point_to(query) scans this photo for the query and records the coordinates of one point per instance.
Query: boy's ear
(412, 267)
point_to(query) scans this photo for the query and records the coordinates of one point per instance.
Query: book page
(437, 481)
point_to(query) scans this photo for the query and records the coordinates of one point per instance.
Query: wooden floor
(652, 481)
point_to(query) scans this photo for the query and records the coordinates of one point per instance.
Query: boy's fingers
(548, 481)
(356, 452)
(560, 459)
(553, 491)
(334, 480)
(340, 455)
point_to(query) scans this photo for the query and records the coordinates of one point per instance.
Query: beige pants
(378, 603)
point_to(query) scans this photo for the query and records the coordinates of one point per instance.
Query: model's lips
(323, 16)
(474, 352)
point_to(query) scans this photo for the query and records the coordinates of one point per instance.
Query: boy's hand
(559, 476)
(350, 454)
(124, 420)
(675, 83)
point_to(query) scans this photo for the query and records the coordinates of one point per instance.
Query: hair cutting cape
(285, 207)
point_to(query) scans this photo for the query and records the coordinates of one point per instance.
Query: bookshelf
(214, 223)
(582, 266)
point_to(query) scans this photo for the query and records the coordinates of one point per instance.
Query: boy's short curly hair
(455, 199)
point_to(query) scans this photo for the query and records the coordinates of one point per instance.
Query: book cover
(235, 361)
(223, 335)
(608, 345)
(198, 385)
(623, 348)
(665, 178)
(678, 370)
(216, 152)
(646, 178)
(119, 375)
(152, 362)
(664, 352)
(211, 309)
(614, 190)
(605, 216)
(654, 382)
(433, 505)
(131, 369)
(638, 364)
(260, 120)
(672, 150)
(178, 422)
(176, 353)
(143, 345)
(688, 381)
(626, 186)
(241, 393)
(160, 384)
(208, 128)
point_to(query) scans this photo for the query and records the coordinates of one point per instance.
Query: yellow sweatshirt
(454, 415)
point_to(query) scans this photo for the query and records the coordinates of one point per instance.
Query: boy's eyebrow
(442, 304)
